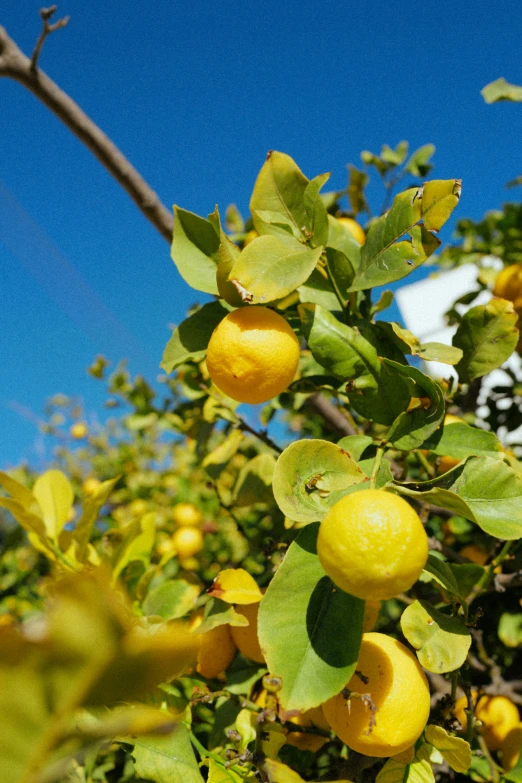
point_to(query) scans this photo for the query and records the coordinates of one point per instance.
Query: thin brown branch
(332, 416)
(16, 65)
(46, 14)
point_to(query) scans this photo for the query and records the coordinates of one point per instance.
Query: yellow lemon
(511, 747)
(313, 742)
(252, 355)
(138, 507)
(508, 284)
(188, 541)
(216, 649)
(186, 514)
(79, 430)
(355, 229)
(400, 693)
(250, 236)
(372, 544)
(90, 485)
(245, 636)
(497, 714)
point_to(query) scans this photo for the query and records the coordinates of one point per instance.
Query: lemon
(511, 747)
(313, 742)
(245, 636)
(186, 514)
(79, 430)
(371, 613)
(372, 544)
(216, 649)
(250, 236)
(252, 355)
(188, 541)
(497, 714)
(400, 693)
(355, 229)
(90, 485)
(508, 284)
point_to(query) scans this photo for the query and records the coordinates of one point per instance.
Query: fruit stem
(376, 466)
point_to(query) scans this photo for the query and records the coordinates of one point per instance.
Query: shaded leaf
(137, 544)
(411, 428)
(194, 250)
(227, 256)
(316, 210)
(310, 476)
(442, 573)
(254, 483)
(218, 459)
(442, 642)
(459, 440)
(190, 340)
(304, 612)
(487, 336)
(166, 759)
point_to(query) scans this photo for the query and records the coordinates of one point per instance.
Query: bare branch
(46, 14)
(15, 65)
(333, 417)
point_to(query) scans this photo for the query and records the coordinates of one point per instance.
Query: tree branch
(46, 14)
(332, 416)
(15, 65)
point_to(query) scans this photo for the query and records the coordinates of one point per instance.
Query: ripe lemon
(372, 544)
(216, 649)
(245, 637)
(250, 236)
(399, 690)
(188, 541)
(355, 229)
(313, 742)
(252, 355)
(497, 714)
(511, 747)
(508, 284)
(186, 514)
(79, 430)
(90, 485)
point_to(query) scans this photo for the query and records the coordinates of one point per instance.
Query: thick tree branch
(15, 65)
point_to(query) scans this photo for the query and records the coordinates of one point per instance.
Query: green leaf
(166, 759)
(190, 340)
(510, 629)
(356, 185)
(280, 188)
(227, 256)
(18, 492)
(304, 612)
(269, 269)
(254, 483)
(418, 771)
(318, 290)
(355, 445)
(467, 576)
(454, 750)
(218, 613)
(438, 352)
(91, 508)
(55, 496)
(340, 269)
(501, 90)
(384, 301)
(487, 336)
(194, 250)
(341, 238)
(279, 773)
(173, 598)
(418, 162)
(377, 392)
(242, 674)
(408, 343)
(485, 490)
(411, 428)
(442, 573)
(137, 544)
(316, 210)
(217, 773)
(310, 476)
(218, 459)
(233, 220)
(459, 440)
(397, 156)
(383, 258)
(442, 642)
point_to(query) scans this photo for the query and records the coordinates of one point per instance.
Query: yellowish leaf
(55, 497)
(236, 586)
(439, 199)
(455, 750)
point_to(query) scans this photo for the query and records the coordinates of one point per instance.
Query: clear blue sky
(195, 94)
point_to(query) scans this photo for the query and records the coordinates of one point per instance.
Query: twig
(332, 416)
(261, 434)
(16, 65)
(46, 14)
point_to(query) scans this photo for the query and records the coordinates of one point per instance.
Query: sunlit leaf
(280, 187)
(172, 599)
(55, 497)
(137, 544)
(254, 483)
(501, 90)
(190, 340)
(442, 642)
(510, 629)
(236, 586)
(454, 750)
(195, 246)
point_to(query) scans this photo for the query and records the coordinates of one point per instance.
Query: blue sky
(195, 95)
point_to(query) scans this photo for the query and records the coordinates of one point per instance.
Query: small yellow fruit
(186, 514)
(90, 485)
(511, 747)
(474, 554)
(188, 541)
(355, 229)
(245, 636)
(399, 690)
(371, 613)
(497, 714)
(372, 544)
(250, 236)
(79, 430)
(138, 507)
(252, 355)
(313, 742)
(508, 284)
(216, 650)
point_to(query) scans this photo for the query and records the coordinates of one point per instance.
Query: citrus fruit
(313, 742)
(216, 649)
(400, 693)
(250, 236)
(252, 355)
(508, 284)
(497, 714)
(138, 507)
(372, 544)
(79, 430)
(355, 229)
(186, 514)
(511, 747)
(188, 541)
(371, 613)
(90, 485)
(245, 636)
